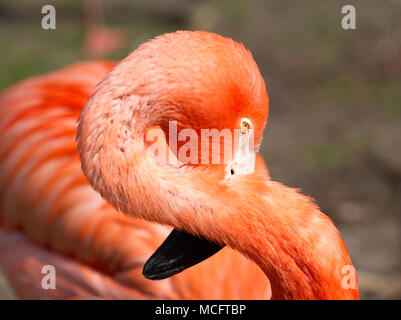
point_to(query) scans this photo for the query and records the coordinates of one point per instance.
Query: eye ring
(246, 125)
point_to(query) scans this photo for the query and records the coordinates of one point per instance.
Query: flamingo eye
(246, 125)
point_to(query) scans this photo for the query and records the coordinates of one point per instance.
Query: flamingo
(255, 237)
(99, 39)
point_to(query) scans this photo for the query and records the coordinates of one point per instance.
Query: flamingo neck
(298, 247)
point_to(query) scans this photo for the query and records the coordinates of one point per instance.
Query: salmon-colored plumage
(51, 215)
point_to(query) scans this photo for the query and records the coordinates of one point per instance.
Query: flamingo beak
(178, 252)
(245, 156)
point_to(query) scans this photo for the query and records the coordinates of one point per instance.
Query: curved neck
(297, 246)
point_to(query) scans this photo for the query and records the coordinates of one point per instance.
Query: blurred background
(335, 96)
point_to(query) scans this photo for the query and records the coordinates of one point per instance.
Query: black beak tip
(157, 269)
(178, 252)
(149, 271)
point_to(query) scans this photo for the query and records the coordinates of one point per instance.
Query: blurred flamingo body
(50, 214)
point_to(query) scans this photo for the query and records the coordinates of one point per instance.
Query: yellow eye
(245, 125)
